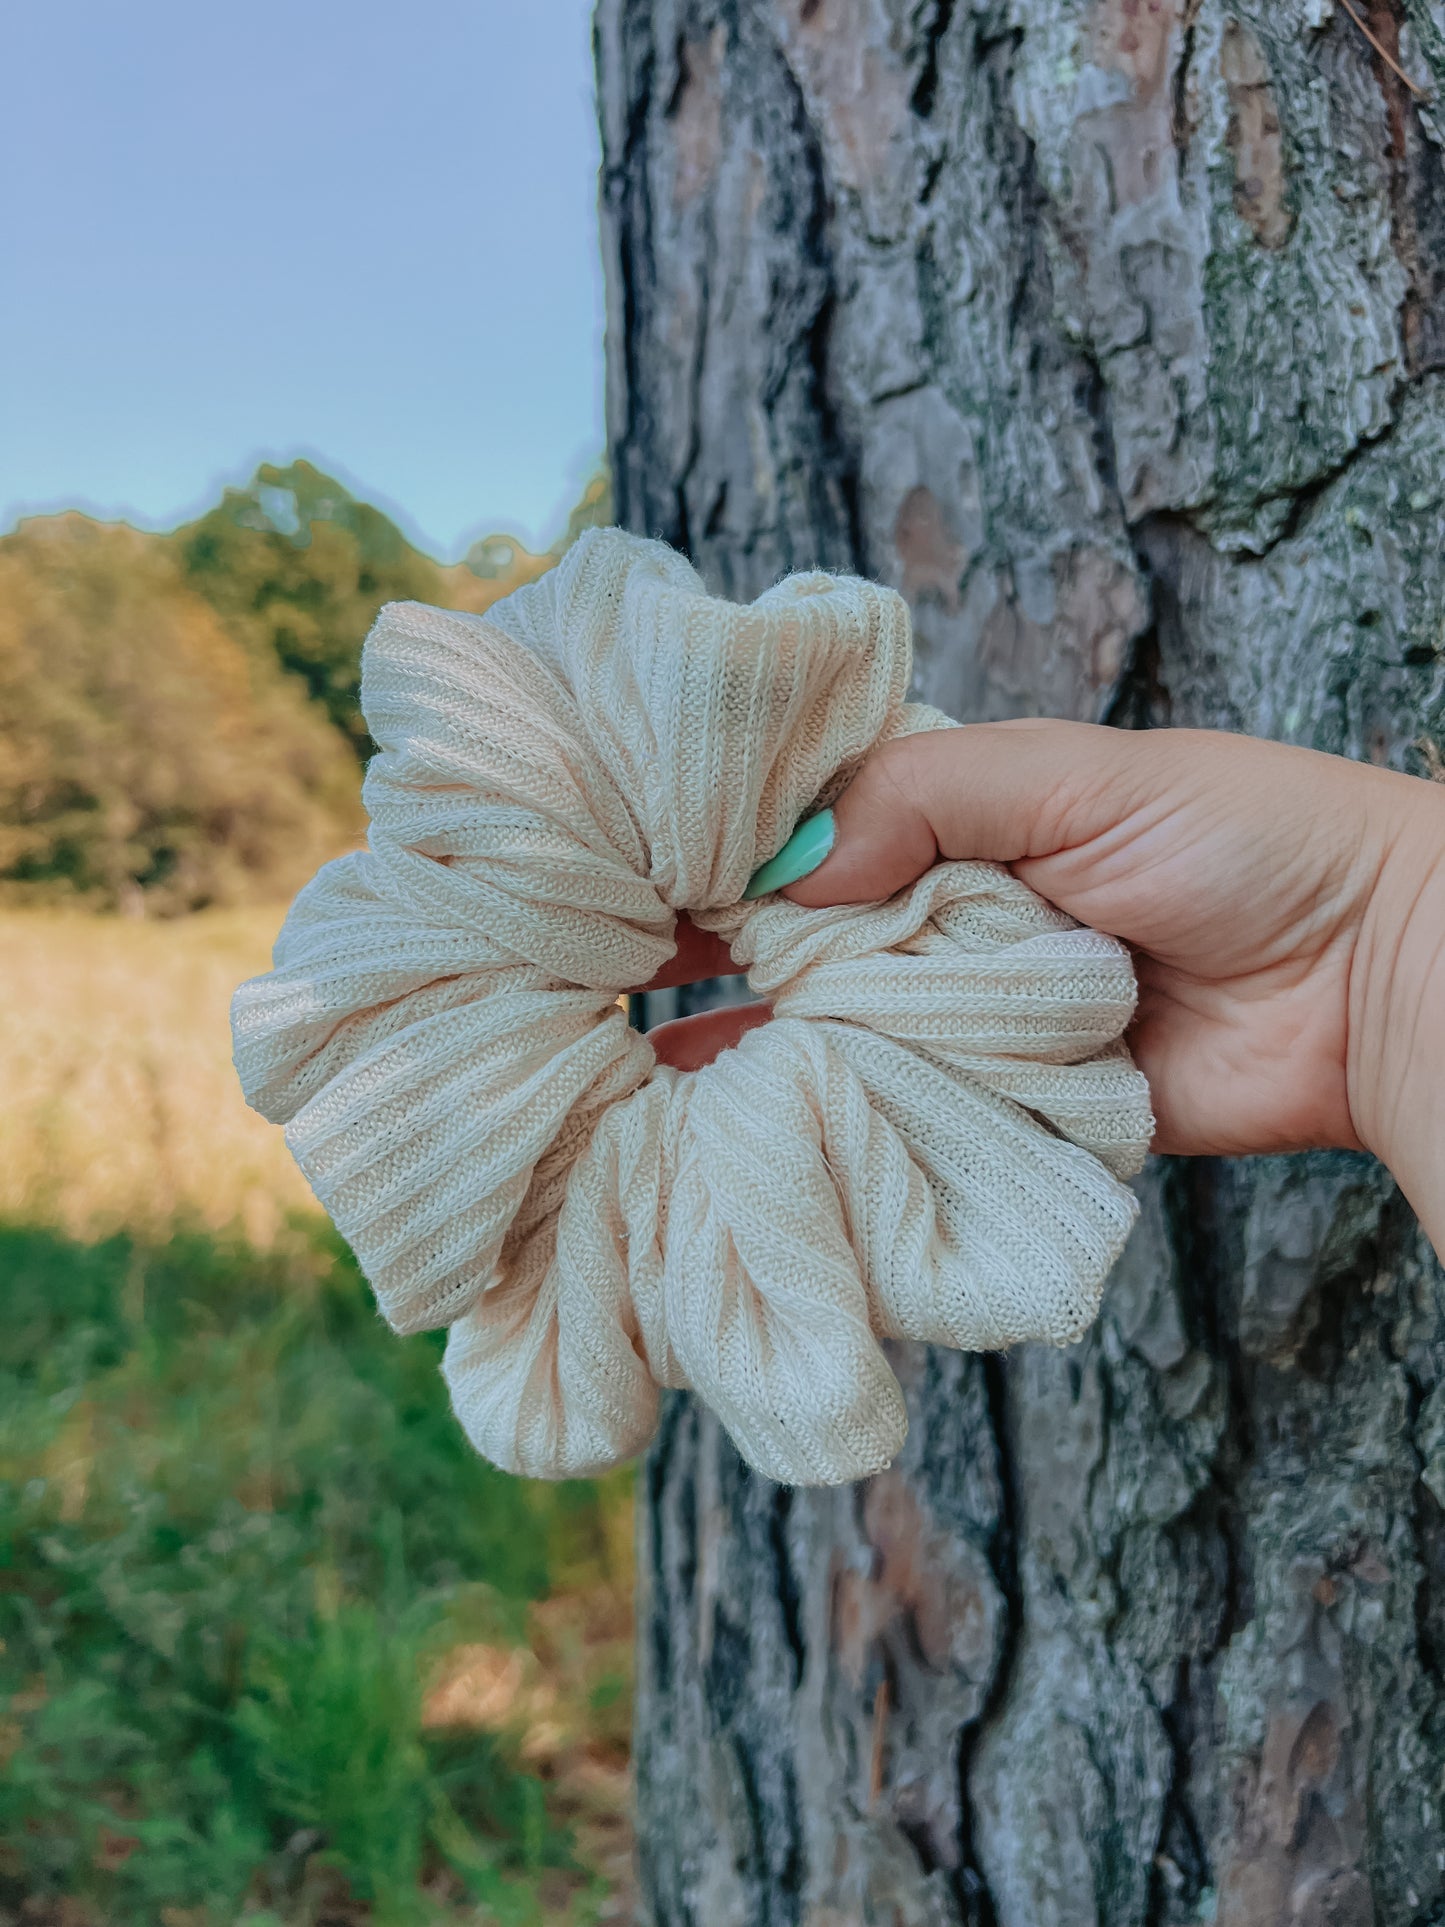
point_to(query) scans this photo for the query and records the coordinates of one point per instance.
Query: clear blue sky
(365, 232)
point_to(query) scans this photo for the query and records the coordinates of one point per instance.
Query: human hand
(687, 1043)
(1286, 910)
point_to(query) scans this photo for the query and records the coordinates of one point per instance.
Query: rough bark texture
(1112, 332)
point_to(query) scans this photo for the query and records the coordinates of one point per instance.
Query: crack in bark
(673, 1452)
(1303, 498)
(925, 89)
(1427, 1514)
(682, 538)
(1107, 1848)
(1190, 1201)
(1095, 399)
(1179, 117)
(1176, 1721)
(1034, 212)
(842, 460)
(1140, 698)
(970, 1884)
(660, 1631)
(787, 1582)
(624, 185)
(1201, 1242)
(785, 1886)
(1428, 1651)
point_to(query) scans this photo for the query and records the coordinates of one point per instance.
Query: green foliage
(502, 560)
(143, 748)
(237, 1524)
(176, 710)
(335, 1726)
(594, 510)
(297, 567)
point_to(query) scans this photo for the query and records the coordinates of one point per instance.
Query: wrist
(1396, 1066)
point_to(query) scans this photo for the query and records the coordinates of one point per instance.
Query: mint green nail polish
(801, 854)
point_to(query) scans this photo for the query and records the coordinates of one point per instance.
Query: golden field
(120, 1103)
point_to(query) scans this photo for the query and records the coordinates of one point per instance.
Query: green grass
(238, 1527)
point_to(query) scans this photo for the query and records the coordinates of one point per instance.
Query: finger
(699, 954)
(1005, 792)
(688, 1043)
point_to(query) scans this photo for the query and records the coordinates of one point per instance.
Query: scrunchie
(926, 1142)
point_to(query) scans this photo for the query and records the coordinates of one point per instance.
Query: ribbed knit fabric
(927, 1142)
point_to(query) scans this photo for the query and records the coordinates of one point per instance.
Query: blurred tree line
(180, 721)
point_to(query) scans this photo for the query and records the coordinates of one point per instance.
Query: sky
(361, 232)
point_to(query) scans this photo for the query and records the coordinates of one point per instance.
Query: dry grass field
(119, 1106)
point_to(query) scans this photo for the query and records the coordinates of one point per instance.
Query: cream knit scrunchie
(927, 1142)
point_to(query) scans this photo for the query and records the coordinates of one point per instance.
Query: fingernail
(804, 850)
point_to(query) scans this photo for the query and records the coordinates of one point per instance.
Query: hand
(1286, 910)
(687, 1043)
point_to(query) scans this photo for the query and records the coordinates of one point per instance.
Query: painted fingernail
(804, 850)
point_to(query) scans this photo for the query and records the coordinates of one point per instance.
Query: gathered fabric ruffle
(928, 1141)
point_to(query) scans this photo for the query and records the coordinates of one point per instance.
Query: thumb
(1003, 792)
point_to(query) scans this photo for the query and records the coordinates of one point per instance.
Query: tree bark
(1111, 332)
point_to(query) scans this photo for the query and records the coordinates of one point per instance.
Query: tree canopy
(180, 719)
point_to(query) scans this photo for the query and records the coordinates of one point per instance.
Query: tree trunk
(1112, 333)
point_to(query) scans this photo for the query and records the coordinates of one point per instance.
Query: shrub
(144, 750)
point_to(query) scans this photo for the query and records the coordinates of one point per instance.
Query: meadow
(275, 1645)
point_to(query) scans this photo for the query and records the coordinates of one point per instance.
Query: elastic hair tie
(928, 1141)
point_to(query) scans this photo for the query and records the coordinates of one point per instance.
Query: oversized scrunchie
(927, 1142)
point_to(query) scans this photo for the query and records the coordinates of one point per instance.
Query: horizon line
(512, 529)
